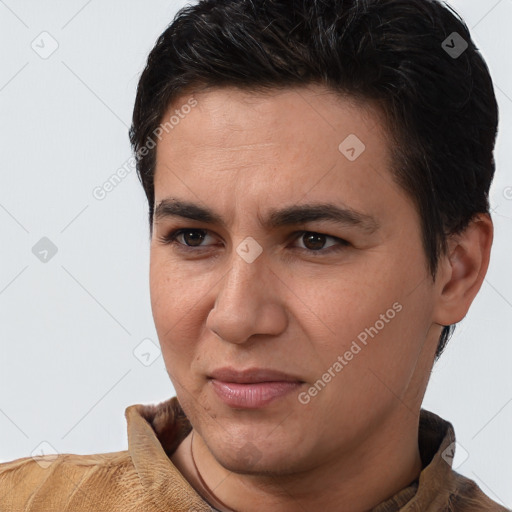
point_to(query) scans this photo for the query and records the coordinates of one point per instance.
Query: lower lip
(252, 396)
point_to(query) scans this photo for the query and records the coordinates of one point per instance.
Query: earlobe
(462, 270)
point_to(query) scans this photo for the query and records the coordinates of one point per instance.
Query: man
(317, 173)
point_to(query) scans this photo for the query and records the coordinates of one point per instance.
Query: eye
(186, 237)
(315, 242)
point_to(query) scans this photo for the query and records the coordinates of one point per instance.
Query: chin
(253, 455)
(253, 463)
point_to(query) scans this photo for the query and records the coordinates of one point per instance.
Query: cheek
(371, 319)
(343, 308)
(385, 346)
(176, 291)
(175, 303)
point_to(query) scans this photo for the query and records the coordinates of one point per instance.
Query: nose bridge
(244, 305)
(246, 275)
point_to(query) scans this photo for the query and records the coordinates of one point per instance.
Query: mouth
(252, 388)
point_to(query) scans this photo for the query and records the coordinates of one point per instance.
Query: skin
(295, 309)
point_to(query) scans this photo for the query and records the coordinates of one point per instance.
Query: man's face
(344, 309)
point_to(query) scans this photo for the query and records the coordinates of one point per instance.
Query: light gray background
(71, 328)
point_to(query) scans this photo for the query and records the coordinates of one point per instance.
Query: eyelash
(170, 239)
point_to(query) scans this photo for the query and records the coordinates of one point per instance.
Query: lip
(252, 388)
(252, 375)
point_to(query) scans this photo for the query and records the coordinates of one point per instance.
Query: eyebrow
(276, 218)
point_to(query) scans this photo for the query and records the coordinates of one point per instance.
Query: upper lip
(251, 375)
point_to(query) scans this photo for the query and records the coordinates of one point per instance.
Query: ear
(462, 270)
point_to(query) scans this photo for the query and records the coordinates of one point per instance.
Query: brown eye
(186, 238)
(193, 237)
(314, 241)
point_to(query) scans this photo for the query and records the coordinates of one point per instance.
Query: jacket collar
(155, 431)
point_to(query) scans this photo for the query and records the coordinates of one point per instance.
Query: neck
(360, 479)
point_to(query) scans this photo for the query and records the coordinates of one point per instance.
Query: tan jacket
(143, 479)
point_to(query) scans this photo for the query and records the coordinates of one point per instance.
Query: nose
(248, 302)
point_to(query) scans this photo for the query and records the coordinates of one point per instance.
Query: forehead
(311, 105)
(281, 144)
(228, 124)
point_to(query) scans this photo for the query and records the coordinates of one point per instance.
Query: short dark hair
(440, 107)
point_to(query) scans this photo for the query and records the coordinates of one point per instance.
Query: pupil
(199, 237)
(320, 240)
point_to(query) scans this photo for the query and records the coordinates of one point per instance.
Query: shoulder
(65, 481)
(466, 495)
